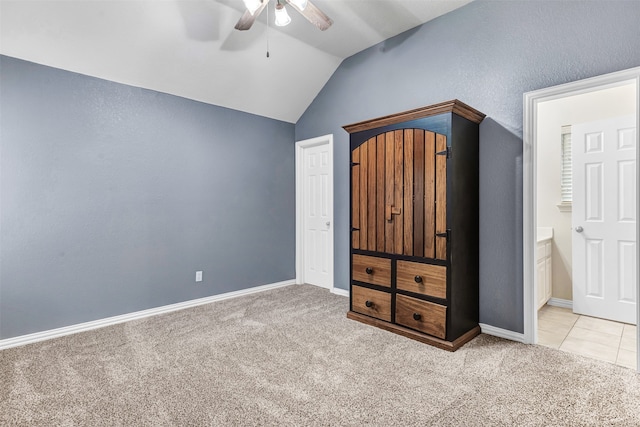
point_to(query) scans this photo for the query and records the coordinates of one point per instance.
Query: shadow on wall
(392, 43)
(501, 265)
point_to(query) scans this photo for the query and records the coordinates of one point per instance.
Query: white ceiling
(189, 47)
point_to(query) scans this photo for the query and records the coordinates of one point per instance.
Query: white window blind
(566, 179)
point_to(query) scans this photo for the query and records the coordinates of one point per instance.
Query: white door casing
(604, 219)
(314, 211)
(530, 121)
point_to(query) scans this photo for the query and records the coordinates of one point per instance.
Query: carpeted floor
(290, 357)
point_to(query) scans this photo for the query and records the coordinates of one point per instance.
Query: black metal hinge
(446, 152)
(354, 164)
(445, 234)
(354, 229)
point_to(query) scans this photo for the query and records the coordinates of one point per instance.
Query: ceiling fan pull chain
(267, 31)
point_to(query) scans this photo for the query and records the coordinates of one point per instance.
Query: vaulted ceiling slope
(189, 48)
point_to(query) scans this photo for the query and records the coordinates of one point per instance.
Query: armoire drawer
(371, 269)
(371, 302)
(423, 279)
(421, 315)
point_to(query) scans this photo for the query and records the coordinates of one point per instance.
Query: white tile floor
(600, 339)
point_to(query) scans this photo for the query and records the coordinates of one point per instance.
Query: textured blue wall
(113, 196)
(487, 54)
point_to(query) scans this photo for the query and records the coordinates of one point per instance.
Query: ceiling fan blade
(247, 19)
(314, 15)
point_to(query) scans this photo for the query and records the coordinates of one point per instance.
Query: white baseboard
(502, 333)
(564, 303)
(341, 292)
(100, 323)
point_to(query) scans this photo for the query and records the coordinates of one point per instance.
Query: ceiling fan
(305, 7)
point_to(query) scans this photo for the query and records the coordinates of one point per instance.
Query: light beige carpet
(290, 357)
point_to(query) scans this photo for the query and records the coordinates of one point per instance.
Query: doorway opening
(549, 230)
(314, 212)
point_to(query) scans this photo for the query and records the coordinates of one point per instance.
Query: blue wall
(113, 196)
(487, 54)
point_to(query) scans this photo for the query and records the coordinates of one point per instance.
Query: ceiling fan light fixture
(282, 17)
(252, 5)
(300, 4)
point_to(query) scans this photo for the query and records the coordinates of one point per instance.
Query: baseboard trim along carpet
(341, 292)
(502, 333)
(564, 303)
(100, 323)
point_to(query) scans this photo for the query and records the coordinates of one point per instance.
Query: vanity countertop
(544, 234)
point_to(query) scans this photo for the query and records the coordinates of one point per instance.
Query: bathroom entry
(586, 192)
(604, 218)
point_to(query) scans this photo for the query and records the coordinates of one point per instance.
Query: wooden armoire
(414, 223)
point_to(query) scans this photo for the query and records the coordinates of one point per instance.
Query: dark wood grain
(430, 195)
(389, 172)
(380, 302)
(371, 195)
(418, 203)
(380, 270)
(398, 202)
(433, 317)
(408, 192)
(380, 197)
(433, 278)
(415, 335)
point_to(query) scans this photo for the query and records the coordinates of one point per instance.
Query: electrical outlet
(198, 276)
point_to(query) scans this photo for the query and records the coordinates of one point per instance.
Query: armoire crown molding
(453, 106)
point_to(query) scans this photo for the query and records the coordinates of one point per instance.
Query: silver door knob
(328, 223)
(579, 229)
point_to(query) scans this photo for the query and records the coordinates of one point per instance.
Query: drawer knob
(369, 270)
(417, 316)
(418, 279)
(368, 303)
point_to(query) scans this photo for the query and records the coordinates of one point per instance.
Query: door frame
(300, 147)
(531, 101)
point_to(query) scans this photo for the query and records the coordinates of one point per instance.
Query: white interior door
(317, 212)
(604, 219)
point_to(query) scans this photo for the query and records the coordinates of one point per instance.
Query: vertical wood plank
(363, 195)
(388, 190)
(408, 192)
(429, 194)
(418, 203)
(398, 203)
(380, 198)
(441, 197)
(355, 198)
(371, 196)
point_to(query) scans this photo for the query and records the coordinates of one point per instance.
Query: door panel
(399, 194)
(316, 215)
(604, 219)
